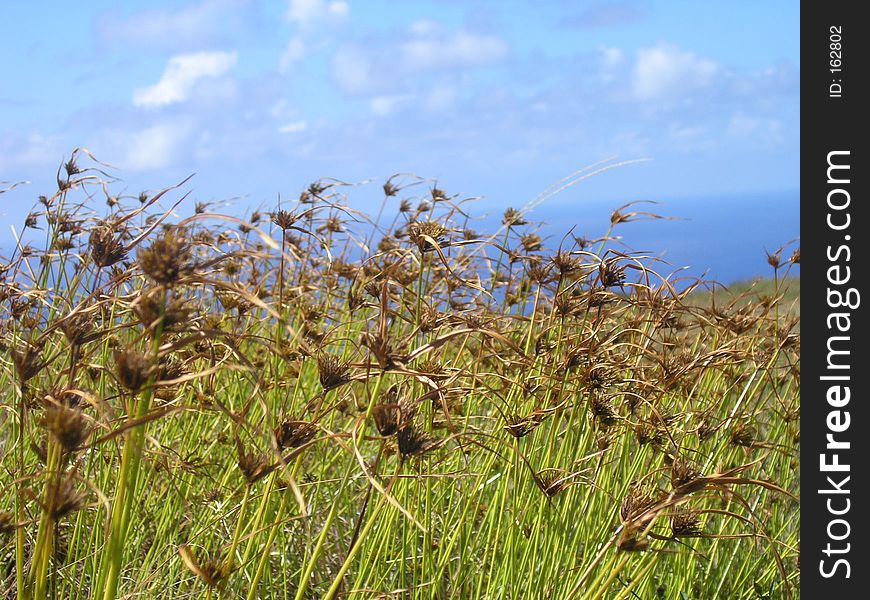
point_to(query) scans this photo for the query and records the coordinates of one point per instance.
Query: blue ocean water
(722, 238)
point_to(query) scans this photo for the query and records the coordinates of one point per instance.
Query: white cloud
(294, 127)
(155, 147)
(352, 70)
(195, 24)
(293, 52)
(424, 27)
(610, 57)
(383, 106)
(28, 150)
(755, 129)
(666, 71)
(181, 74)
(388, 67)
(430, 49)
(309, 12)
(440, 98)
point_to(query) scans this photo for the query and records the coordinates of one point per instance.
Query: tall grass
(312, 403)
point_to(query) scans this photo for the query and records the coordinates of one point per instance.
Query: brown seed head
(168, 258)
(253, 465)
(531, 242)
(390, 189)
(519, 426)
(211, 571)
(68, 426)
(686, 522)
(775, 259)
(332, 371)
(78, 329)
(513, 218)
(423, 233)
(610, 273)
(743, 434)
(27, 361)
(686, 476)
(106, 246)
(293, 434)
(63, 498)
(638, 504)
(175, 313)
(7, 524)
(551, 481)
(388, 418)
(284, 219)
(133, 368)
(415, 443)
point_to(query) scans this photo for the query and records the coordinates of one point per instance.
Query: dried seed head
(106, 246)
(71, 167)
(647, 433)
(775, 259)
(317, 188)
(373, 289)
(743, 434)
(638, 504)
(632, 540)
(388, 418)
(62, 243)
(565, 306)
(68, 426)
(531, 242)
(168, 258)
(513, 218)
(32, 221)
(430, 319)
(390, 189)
(551, 481)
(565, 263)
(540, 272)
(706, 428)
(133, 368)
(602, 410)
(415, 443)
(293, 434)
(284, 219)
(686, 522)
(519, 426)
(332, 370)
(253, 465)
(7, 524)
(610, 273)
(212, 571)
(78, 329)
(598, 297)
(332, 224)
(544, 345)
(149, 309)
(63, 498)
(686, 476)
(27, 361)
(424, 233)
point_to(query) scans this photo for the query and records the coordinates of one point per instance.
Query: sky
(491, 99)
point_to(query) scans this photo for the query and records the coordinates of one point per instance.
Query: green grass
(270, 408)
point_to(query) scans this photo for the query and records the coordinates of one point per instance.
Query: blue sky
(497, 99)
